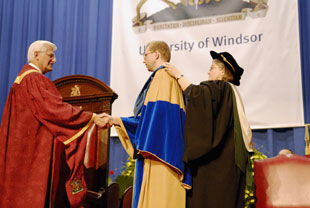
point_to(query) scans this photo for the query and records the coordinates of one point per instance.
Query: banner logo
(189, 13)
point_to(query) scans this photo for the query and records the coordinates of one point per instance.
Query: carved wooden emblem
(75, 91)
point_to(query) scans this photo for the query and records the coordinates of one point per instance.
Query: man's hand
(104, 120)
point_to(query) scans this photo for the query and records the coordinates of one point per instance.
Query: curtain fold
(271, 141)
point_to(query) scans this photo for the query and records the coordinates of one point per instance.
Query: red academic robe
(33, 118)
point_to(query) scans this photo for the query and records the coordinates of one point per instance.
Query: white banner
(262, 35)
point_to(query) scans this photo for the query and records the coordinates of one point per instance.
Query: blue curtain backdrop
(82, 30)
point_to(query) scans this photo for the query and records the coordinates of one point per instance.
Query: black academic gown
(210, 147)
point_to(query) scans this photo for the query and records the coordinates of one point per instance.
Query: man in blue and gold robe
(155, 136)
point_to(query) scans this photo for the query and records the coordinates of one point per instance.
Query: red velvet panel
(282, 182)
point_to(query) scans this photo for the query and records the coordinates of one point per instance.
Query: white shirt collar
(37, 68)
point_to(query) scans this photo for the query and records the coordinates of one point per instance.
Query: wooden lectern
(95, 96)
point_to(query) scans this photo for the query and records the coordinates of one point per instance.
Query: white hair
(39, 45)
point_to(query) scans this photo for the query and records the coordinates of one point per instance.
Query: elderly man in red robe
(34, 118)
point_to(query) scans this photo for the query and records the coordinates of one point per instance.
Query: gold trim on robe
(80, 132)
(21, 77)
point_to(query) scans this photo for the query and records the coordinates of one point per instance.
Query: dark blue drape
(82, 31)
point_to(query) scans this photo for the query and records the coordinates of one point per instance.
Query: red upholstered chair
(282, 182)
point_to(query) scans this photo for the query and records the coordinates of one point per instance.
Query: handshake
(104, 121)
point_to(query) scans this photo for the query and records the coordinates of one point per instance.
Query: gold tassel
(307, 149)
